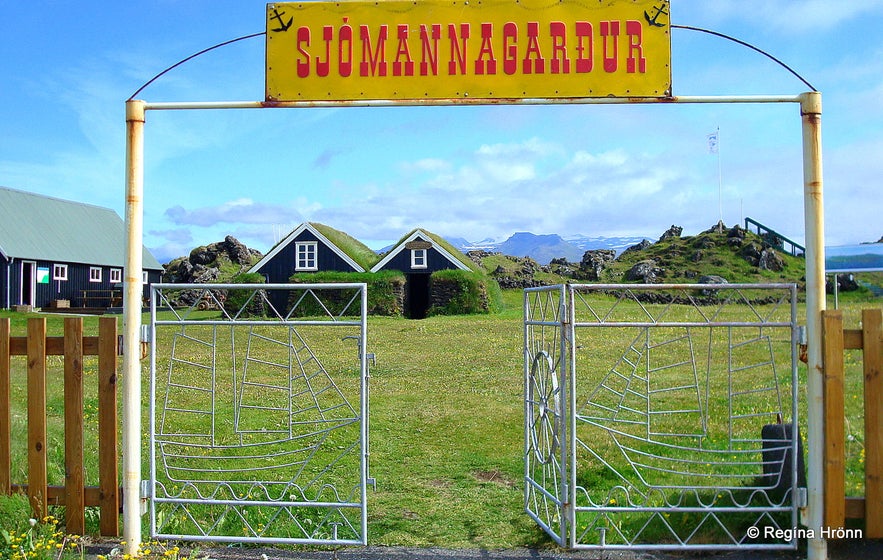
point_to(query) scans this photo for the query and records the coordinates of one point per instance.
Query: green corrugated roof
(33, 226)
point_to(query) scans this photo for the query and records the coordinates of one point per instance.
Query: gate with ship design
(259, 413)
(660, 416)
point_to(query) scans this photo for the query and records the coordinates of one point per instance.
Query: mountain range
(544, 248)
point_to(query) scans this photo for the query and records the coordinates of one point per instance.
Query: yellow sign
(484, 49)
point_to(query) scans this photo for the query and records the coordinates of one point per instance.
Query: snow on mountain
(618, 244)
(544, 248)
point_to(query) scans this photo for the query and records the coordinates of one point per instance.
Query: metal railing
(775, 238)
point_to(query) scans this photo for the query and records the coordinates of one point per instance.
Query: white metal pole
(133, 290)
(720, 180)
(811, 114)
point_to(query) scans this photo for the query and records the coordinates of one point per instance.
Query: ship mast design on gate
(654, 407)
(661, 416)
(254, 438)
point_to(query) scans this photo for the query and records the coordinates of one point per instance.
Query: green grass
(685, 259)
(25, 538)
(354, 248)
(447, 433)
(500, 265)
(446, 426)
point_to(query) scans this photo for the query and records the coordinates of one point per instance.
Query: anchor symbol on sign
(286, 24)
(660, 10)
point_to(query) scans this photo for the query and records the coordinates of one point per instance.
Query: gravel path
(840, 550)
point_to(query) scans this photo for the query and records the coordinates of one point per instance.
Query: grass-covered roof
(355, 249)
(442, 242)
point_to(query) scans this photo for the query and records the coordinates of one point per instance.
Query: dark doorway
(416, 295)
(27, 282)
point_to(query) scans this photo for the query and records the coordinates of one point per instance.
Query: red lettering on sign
(373, 60)
(610, 36)
(636, 61)
(429, 51)
(458, 48)
(525, 48)
(559, 63)
(487, 49)
(533, 49)
(585, 47)
(323, 67)
(303, 40)
(510, 48)
(403, 52)
(345, 63)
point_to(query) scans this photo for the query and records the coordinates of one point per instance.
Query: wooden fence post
(872, 358)
(835, 428)
(108, 470)
(37, 472)
(74, 475)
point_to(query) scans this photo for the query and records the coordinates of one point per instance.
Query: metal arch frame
(810, 109)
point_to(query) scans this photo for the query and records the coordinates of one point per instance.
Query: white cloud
(605, 159)
(504, 188)
(425, 165)
(239, 211)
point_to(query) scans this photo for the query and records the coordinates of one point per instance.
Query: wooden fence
(869, 339)
(74, 495)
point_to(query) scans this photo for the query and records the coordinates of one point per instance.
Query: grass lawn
(447, 432)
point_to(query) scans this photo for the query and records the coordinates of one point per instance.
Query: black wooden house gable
(419, 254)
(304, 250)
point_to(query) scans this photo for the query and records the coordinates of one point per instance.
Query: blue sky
(473, 172)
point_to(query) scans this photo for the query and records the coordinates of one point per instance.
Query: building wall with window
(38, 283)
(304, 253)
(419, 257)
(53, 249)
(421, 252)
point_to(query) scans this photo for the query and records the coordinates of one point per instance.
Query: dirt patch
(495, 477)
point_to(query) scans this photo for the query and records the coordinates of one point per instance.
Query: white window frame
(144, 278)
(59, 272)
(419, 258)
(306, 255)
(116, 275)
(95, 274)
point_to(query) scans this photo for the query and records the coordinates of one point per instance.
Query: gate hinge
(801, 335)
(802, 344)
(801, 498)
(145, 495)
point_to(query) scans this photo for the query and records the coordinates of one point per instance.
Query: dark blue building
(309, 248)
(417, 256)
(55, 250)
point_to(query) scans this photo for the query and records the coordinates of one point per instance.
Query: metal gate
(660, 416)
(259, 413)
